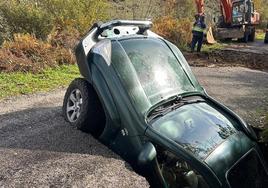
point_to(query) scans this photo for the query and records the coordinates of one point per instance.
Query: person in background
(266, 35)
(198, 32)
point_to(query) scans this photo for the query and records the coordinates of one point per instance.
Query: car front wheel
(82, 108)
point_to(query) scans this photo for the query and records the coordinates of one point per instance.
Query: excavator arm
(200, 6)
(226, 9)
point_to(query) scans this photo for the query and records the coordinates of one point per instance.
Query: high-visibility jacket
(199, 27)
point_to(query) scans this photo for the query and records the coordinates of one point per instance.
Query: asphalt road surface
(243, 90)
(39, 149)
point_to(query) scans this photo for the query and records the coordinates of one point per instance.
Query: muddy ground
(252, 55)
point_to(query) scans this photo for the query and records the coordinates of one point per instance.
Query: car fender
(112, 116)
(242, 125)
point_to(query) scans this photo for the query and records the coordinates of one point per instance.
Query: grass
(205, 47)
(212, 47)
(260, 36)
(12, 84)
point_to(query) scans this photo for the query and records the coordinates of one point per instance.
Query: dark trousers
(266, 38)
(199, 40)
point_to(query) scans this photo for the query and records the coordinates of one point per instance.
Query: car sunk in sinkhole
(138, 96)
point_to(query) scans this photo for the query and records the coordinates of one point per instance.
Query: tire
(228, 40)
(82, 108)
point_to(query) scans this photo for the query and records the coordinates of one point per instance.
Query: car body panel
(197, 127)
(226, 155)
(107, 65)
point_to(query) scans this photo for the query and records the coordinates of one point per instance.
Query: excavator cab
(243, 12)
(238, 13)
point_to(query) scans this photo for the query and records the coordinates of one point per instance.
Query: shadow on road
(45, 129)
(38, 148)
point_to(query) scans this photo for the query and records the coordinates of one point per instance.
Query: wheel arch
(113, 123)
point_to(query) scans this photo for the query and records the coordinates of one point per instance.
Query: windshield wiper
(170, 105)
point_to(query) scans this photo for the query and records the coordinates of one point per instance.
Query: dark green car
(139, 97)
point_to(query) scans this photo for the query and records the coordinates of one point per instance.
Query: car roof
(136, 36)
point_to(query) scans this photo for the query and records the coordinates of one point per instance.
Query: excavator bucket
(210, 37)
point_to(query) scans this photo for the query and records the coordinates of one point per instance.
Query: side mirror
(147, 154)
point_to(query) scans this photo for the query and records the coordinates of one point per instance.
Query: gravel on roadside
(38, 148)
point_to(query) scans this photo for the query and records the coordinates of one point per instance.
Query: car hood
(209, 135)
(199, 128)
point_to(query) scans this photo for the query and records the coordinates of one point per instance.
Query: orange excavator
(238, 20)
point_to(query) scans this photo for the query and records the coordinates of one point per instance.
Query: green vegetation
(152, 9)
(16, 83)
(37, 37)
(175, 30)
(260, 36)
(212, 47)
(28, 54)
(262, 7)
(40, 18)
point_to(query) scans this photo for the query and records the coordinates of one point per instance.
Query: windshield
(149, 71)
(199, 128)
(238, 11)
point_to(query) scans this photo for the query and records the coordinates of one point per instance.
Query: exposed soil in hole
(252, 55)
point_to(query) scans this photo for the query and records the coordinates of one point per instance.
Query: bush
(78, 14)
(39, 17)
(48, 31)
(179, 9)
(28, 54)
(178, 31)
(66, 38)
(26, 17)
